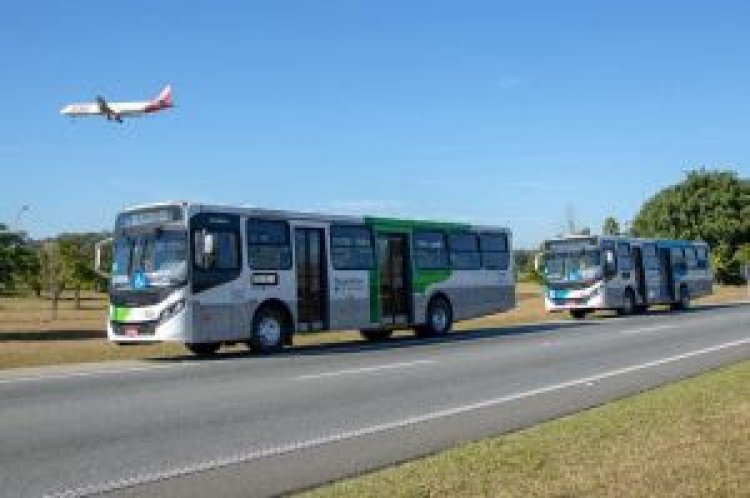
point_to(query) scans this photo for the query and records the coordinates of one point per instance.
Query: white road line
(654, 328)
(87, 373)
(256, 454)
(375, 368)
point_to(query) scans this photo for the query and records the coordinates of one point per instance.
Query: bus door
(666, 274)
(312, 281)
(640, 274)
(394, 279)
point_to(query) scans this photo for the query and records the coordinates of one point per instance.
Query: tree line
(49, 266)
(709, 205)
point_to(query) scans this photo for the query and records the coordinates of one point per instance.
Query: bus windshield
(579, 266)
(154, 259)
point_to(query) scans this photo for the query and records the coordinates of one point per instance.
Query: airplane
(118, 110)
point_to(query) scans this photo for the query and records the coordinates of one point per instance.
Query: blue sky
(494, 112)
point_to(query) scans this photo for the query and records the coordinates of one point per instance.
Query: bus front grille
(138, 329)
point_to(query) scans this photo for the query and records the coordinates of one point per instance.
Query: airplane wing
(103, 107)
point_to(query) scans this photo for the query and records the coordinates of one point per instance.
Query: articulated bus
(212, 275)
(583, 274)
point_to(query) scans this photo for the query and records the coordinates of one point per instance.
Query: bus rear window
(495, 253)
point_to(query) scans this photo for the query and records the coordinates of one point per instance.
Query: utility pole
(17, 222)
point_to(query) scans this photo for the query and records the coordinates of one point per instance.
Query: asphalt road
(250, 426)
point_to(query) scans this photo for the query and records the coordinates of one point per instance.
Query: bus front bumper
(585, 299)
(175, 328)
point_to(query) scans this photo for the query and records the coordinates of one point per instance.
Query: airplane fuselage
(119, 110)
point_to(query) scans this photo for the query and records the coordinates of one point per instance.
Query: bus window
(691, 258)
(702, 257)
(351, 247)
(464, 251)
(429, 249)
(678, 259)
(226, 255)
(495, 251)
(268, 245)
(650, 258)
(624, 259)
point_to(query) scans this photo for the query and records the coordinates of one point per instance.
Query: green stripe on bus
(119, 314)
(421, 279)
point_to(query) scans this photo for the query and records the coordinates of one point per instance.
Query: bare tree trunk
(55, 302)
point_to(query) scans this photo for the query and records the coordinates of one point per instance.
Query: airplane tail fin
(164, 99)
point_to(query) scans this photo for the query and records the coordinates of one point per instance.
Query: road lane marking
(655, 328)
(258, 453)
(375, 368)
(86, 373)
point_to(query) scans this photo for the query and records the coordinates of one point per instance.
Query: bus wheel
(375, 335)
(683, 302)
(629, 307)
(578, 314)
(203, 349)
(439, 318)
(269, 330)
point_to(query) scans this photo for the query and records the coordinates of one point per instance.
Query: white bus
(212, 275)
(583, 274)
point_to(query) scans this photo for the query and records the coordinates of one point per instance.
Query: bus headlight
(171, 310)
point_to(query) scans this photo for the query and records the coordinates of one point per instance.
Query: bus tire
(439, 318)
(203, 349)
(269, 330)
(629, 307)
(376, 335)
(683, 300)
(579, 314)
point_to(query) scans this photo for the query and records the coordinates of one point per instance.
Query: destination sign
(149, 217)
(570, 245)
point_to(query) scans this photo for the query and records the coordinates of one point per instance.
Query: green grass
(691, 438)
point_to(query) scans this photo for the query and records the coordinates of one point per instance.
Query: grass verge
(691, 438)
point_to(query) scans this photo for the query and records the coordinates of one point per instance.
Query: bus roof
(597, 239)
(314, 216)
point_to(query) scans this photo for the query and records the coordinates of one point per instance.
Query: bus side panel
(472, 294)
(349, 299)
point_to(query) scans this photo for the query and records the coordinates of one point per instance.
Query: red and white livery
(115, 111)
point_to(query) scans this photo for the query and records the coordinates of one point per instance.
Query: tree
(77, 253)
(524, 265)
(708, 205)
(16, 257)
(53, 272)
(611, 226)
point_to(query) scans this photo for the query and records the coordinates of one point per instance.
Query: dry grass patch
(691, 438)
(30, 337)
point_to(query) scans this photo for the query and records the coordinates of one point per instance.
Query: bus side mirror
(98, 249)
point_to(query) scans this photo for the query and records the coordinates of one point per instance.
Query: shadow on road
(360, 345)
(52, 335)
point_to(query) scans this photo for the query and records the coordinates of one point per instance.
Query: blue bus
(583, 274)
